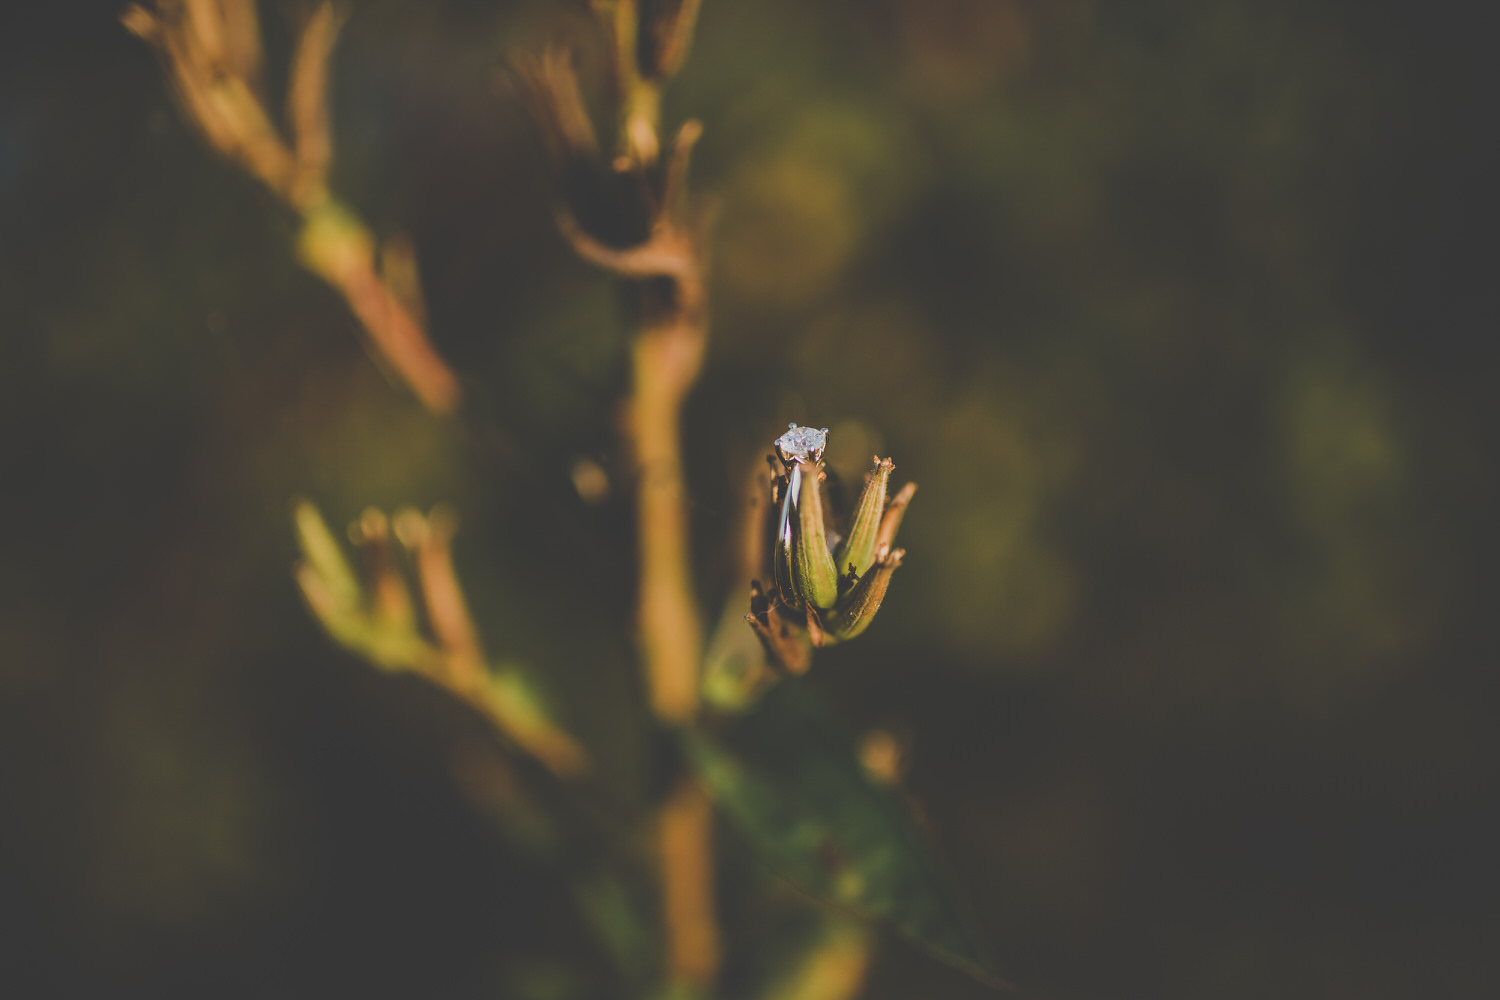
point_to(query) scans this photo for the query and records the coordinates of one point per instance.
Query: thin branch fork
(668, 273)
(211, 50)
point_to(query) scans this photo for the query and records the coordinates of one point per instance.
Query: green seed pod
(857, 609)
(814, 574)
(857, 552)
(823, 600)
(803, 565)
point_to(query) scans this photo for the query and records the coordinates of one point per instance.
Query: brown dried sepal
(787, 643)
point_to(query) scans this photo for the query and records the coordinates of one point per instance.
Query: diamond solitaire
(802, 445)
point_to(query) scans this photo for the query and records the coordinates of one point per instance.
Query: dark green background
(1182, 314)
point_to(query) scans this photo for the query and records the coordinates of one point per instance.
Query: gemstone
(802, 445)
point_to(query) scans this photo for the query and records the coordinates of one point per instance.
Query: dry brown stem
(552, 87)
(342, 253)
(891, 520)
(666, 271)
(211, 49)
(307, 105)
(686, 838)
(462, 667)
(431, 542)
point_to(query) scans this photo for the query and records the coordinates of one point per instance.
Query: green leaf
(797, 794)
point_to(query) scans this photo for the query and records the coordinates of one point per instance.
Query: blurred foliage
(799, 796)
(1181, 314)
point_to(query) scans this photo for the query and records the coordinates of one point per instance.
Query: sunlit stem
(670, 626)
(687, 879)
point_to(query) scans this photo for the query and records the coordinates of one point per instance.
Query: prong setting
(801, 445)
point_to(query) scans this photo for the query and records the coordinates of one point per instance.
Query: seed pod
(803, 565)
(814, 575)
(857, 609)
(857, 551)
(823, 600)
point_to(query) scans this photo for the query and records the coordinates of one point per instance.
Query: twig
(666, 272)
(211, 49)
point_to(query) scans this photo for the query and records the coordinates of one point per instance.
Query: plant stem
(671, 631)
(665, 271)
(686, 838)
(666, 357)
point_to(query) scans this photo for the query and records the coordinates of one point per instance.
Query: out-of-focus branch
(553, 87)
(652, 38)
(687, 867)
(640, 96)
(671, 632)
(212, 53)
(669, 253)
(667, 273)
(430, 541)
(372, 614)
(307, 105)
(398, 272)
(241, 38)
(211, 49)
(337, 247)
(669, 35)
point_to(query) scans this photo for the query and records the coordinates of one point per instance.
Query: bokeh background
(1181, 312)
